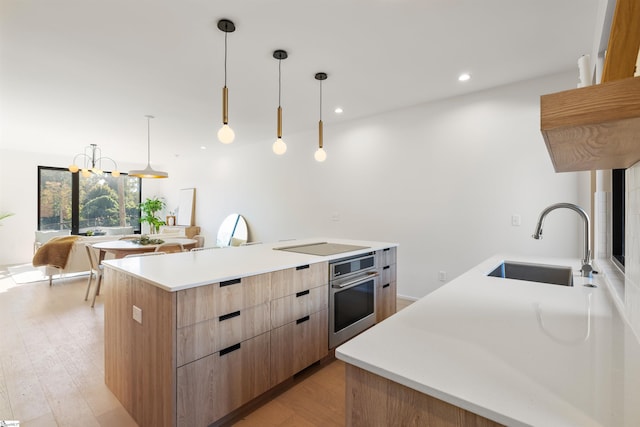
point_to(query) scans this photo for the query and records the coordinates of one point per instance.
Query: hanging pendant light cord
(279, 80)
(320, 100)
(148, 140)
(225, 59)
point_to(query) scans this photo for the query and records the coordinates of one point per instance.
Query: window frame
(75, 198)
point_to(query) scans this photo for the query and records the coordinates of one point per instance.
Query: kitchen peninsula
(191, 337)
(492, 351)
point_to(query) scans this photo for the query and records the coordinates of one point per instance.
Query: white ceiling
(74, 72)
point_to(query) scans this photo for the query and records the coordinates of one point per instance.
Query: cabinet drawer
(386, 256)
(204, 338)
(211, 387)
(292, 280)
(292, 307)
(387, 274)
(297, 345)
(208, 302)
(385, 300)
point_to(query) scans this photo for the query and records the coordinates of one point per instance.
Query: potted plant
(4, 215)
(150, 209)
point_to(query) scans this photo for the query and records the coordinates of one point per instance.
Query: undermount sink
(542, 273)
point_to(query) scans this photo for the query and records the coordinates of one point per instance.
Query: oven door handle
(356, 281)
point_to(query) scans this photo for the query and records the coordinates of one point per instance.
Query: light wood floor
(52, 366)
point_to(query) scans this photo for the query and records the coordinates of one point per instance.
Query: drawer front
(386, 300)
(209, 302)
(207, 337)
(386, 256)
(292, 307)
(292, 280)
(212, 387)
(297, 345)
(387, 274)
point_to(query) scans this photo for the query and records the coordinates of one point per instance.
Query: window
(617, 215)
(70, 201)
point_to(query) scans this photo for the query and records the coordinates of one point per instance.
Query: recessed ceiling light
(202, 147)
(338, 110)
(464, 77)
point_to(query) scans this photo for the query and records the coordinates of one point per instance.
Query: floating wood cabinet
(386, 290)
(595, 127)
(203, 352)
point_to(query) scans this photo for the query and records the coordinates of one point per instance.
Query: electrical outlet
(137, 314)
(442, 276)
(515, 220)
(335, 216)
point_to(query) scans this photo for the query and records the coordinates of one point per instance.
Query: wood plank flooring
(52, 366)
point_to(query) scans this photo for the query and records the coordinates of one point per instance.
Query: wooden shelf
(598, 127)
(595, 127)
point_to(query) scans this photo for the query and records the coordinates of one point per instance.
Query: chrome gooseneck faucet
(587, 269)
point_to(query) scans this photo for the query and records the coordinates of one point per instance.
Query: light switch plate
(137, 314)
(515, 220)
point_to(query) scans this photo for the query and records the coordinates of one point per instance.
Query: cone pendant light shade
(226, 135)
(148, 172)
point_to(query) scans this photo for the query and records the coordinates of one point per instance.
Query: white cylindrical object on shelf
(584, 71)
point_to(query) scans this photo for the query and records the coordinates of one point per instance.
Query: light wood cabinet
(386, 290)
(298, 344)
(596, 127)
(207, 337)
(299, 320)
(211, 387)
(292, 280)
(203, 352)
(293, 307)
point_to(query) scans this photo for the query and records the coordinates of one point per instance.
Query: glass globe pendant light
(320, 155)
(226, 135)
(279, 147)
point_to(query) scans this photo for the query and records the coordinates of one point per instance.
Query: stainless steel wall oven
(352, 286)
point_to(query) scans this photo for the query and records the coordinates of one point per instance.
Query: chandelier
(92, 162)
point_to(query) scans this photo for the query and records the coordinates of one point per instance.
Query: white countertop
(173, 272)
(519, 353)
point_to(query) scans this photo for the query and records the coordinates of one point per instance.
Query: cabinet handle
(386, 286)
(386, 267)
(302, 293)
(229, 349)
(386, 249)
(229, 316)
(302, 267)
(230, 282)
(302, 320)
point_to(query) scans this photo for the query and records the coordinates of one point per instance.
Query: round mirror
(232, 231)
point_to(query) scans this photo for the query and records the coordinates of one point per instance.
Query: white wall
(441, 179)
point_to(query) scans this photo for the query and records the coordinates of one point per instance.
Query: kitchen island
(192, 337)
(488, 351)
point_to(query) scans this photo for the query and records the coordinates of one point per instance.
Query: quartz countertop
(516, 352)
(177, 271)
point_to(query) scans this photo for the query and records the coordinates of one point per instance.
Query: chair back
(205, 249)
(199, 240)
(144, 254)
(93, 258)
(170, 247)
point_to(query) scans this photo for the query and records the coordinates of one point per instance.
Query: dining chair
(170, 247)
(95, 268)
(145, 254)
(129, 238)
(208, 248)
(199, 240)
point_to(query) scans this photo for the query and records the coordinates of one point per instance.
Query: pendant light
(320, 155)
(279, 147)
(148, 172)
(226, 135)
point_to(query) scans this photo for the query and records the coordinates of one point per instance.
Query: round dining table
(122, 248)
